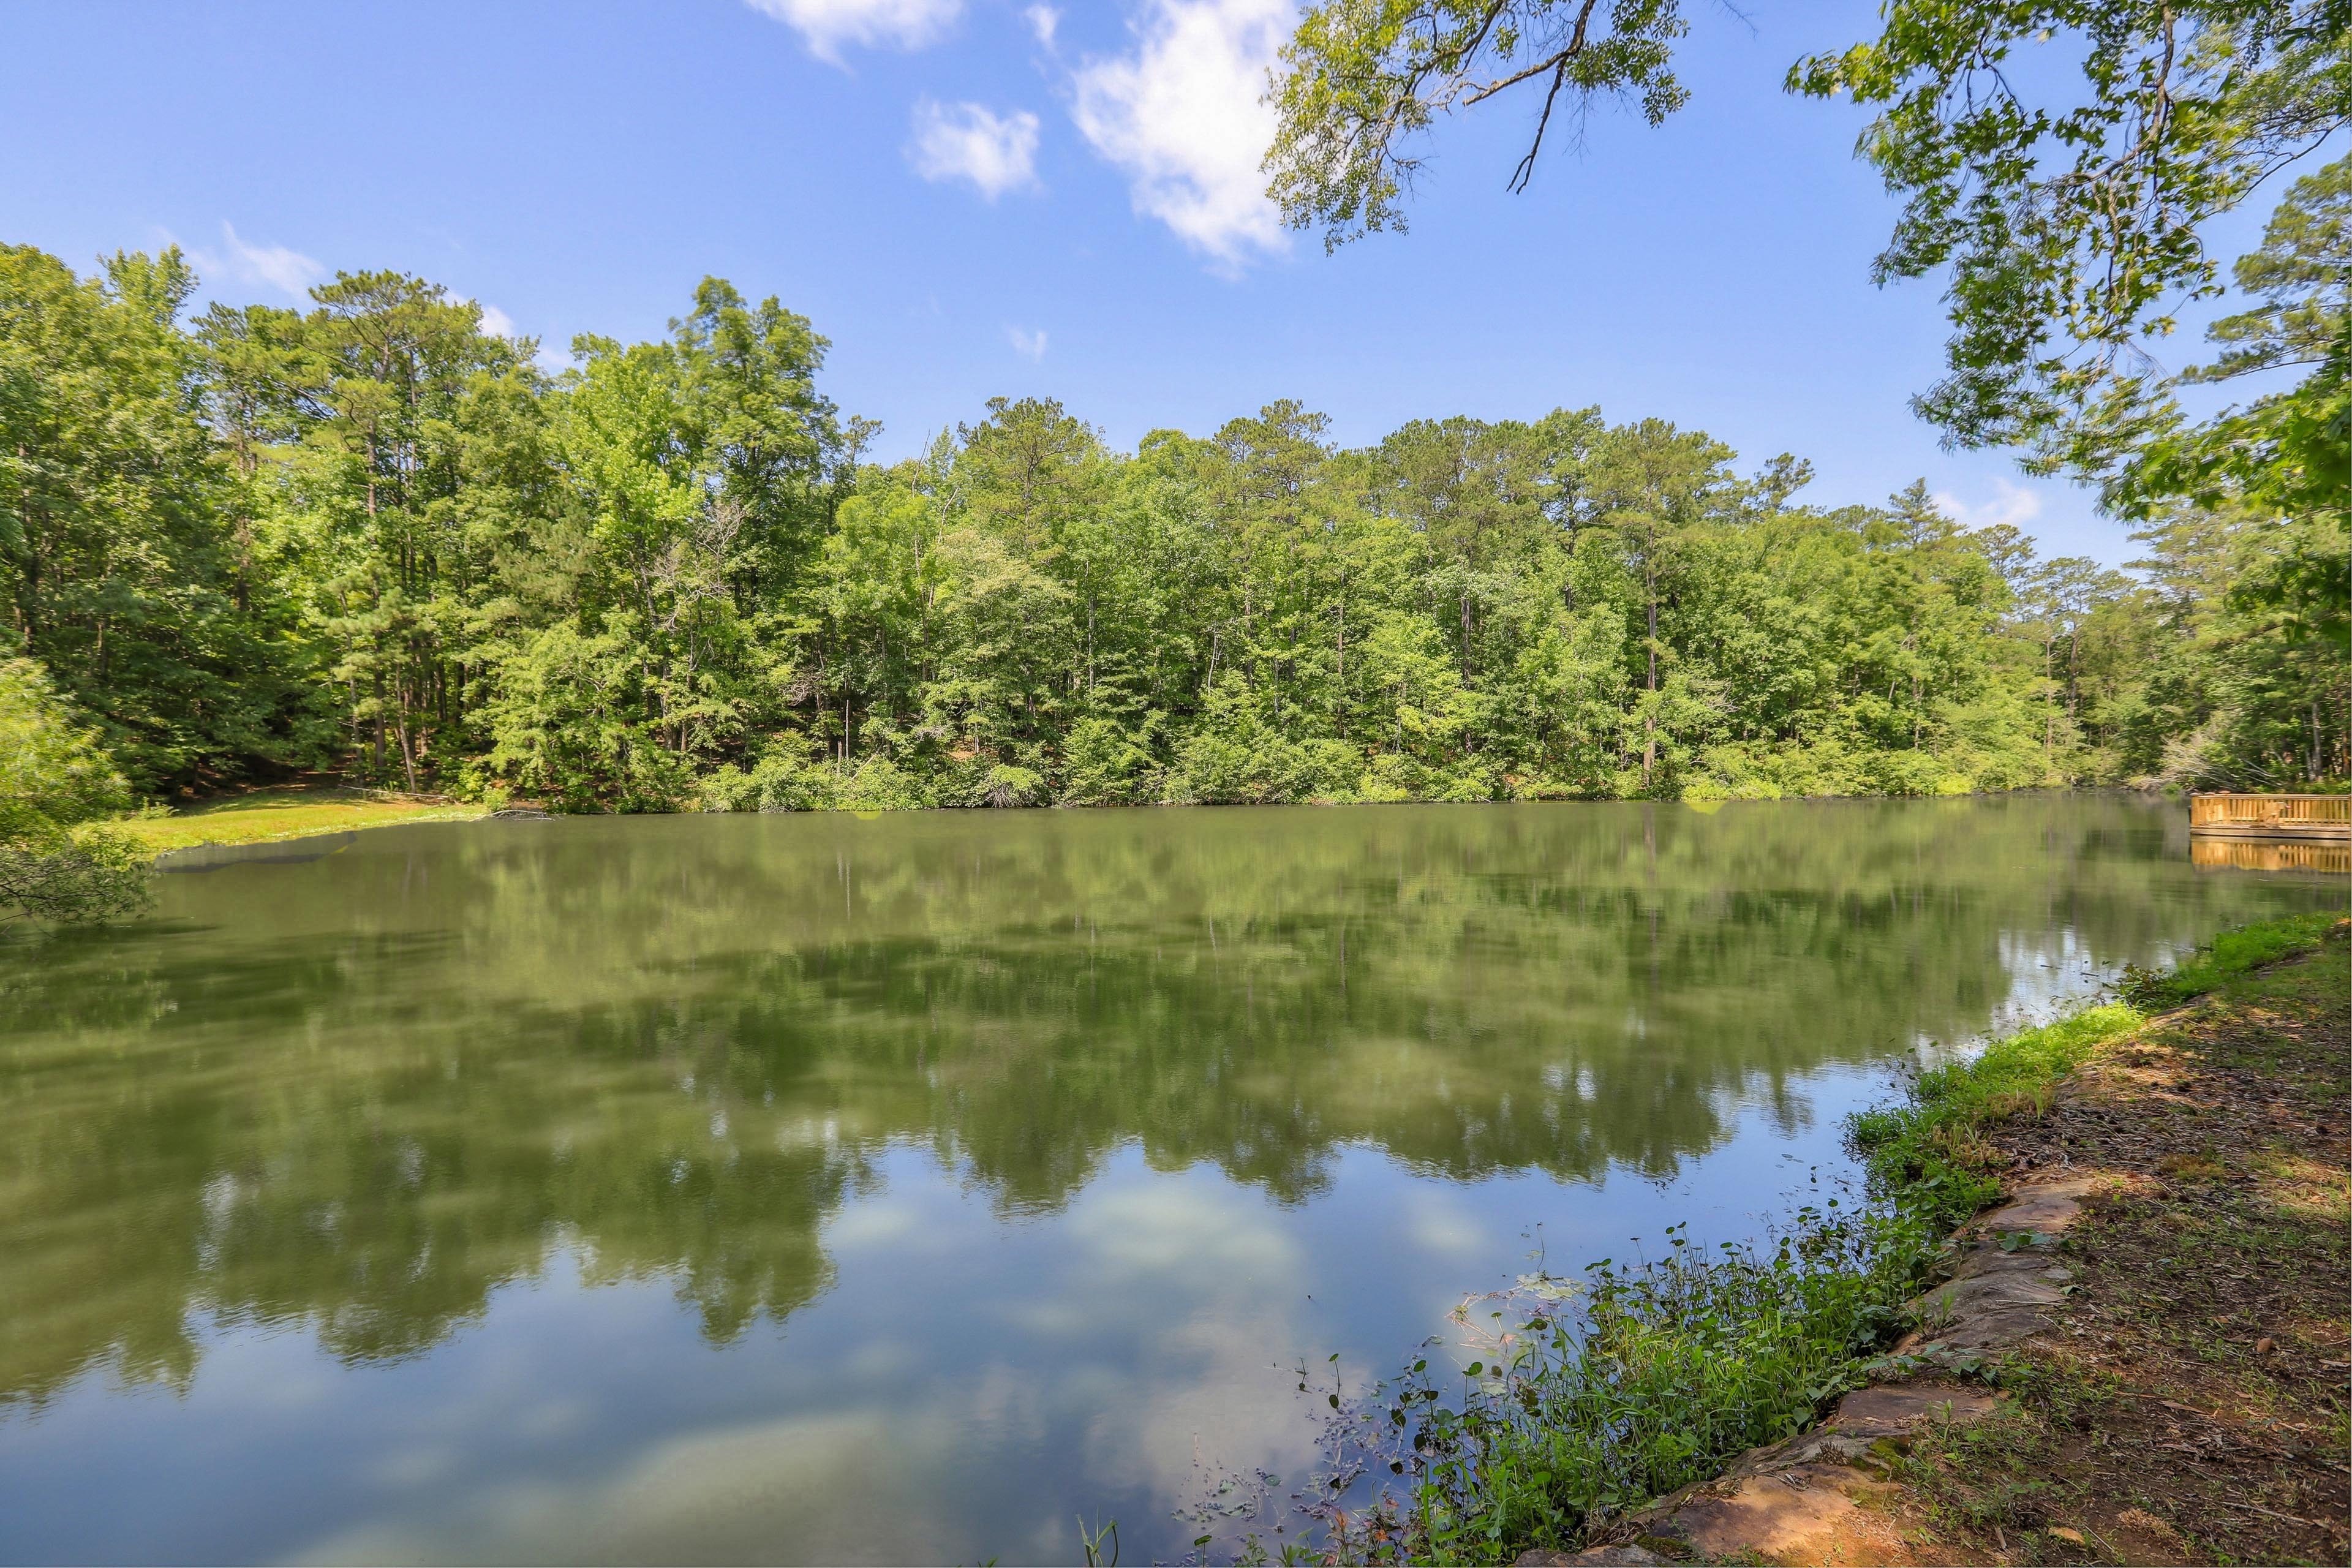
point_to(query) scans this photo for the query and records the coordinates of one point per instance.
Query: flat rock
(1985, 1259)
(1897, 1410)
(1809, 1515)
(1993, 1290)
(2045, 1208)
(1862, 1419)
(1976, 1336)
(1801, 1500)
(1995, 1300)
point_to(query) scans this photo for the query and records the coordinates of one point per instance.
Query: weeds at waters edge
(1602, 1394)
(2230, 953)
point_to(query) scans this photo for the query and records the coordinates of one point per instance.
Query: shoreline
(284, 814)
(1938, 1334)
(280, 815)
(1853, 1487)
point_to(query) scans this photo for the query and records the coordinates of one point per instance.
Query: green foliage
(1670, 1368)
(1927, 1157)
(2229, 953)
(2230, 671)
(126, 566)
(2071, 221)
(372, 536)
(2301, 277)
(2059, 162)
(1107, 764)
(54, 780)
(1363, 79)
(2253, 697)
(1600, 1395)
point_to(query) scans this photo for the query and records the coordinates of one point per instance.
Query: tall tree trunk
(1339, 706)
(2049, 703)
(1651, 580)
(2073, 645)
(1650, 720)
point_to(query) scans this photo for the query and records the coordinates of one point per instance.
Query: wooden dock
(2313, 819)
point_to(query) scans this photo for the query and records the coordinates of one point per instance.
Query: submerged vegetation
(1592, 1397)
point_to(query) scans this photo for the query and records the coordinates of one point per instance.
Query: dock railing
(2287, 813)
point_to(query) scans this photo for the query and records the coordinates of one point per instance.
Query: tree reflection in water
(358, 1094)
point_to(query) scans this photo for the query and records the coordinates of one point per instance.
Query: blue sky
(974, 198)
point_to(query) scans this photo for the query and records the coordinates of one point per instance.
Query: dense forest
(374, 538)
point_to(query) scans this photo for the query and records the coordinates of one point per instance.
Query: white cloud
(1199, 1230)
(1436, 1222)
(288, 271)
(1043, 21)
(965, 141)
(1182, 116)
(497, 323)
(2013, 503)
(828, 24)
(1029, 344)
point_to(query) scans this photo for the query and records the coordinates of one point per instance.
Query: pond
(901, 1188)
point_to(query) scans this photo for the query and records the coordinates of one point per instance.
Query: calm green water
(828, 1189)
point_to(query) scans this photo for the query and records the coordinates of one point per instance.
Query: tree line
(373, 537)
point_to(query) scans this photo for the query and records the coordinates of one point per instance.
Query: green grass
(273, 814)
(1644, 1378)
(2231, 954)
(1930, 1158)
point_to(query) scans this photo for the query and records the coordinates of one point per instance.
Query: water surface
(821, 1188)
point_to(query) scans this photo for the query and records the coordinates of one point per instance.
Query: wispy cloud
(288, 271)
(1029, 345)
(2013, 503)
(828, 24)
(1043, 21)
(1182, 116)
(497, 323)
(965, 141)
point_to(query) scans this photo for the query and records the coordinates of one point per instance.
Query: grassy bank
(266, 814)
(2190, 1404)
(1605, 1392)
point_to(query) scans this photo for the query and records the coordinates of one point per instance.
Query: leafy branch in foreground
(1363, 79)
(2072, 220)
(2287, 453)
(2062, 158)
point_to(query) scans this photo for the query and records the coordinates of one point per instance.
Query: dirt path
(2143, 1355)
